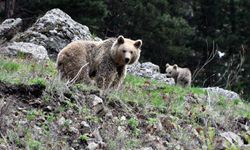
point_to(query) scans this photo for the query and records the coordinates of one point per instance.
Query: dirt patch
(21, 90)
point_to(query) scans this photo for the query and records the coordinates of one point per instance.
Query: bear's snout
(127, 60)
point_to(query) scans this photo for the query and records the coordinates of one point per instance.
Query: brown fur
(182, 76)
(107, 60)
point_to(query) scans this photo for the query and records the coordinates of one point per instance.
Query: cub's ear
(120, 39)
(138, 43)
(175, 66)
(167, 65)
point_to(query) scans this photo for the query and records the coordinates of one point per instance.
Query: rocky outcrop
(54, 31)
(149, 70)
(23, 48)
(216, 92)
(152, 71)
(9, 28)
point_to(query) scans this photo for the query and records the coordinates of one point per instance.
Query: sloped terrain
(38, 111)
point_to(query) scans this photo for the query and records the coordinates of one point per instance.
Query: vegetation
(142, 109)
(172, 31)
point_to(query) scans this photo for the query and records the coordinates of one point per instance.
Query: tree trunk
(232, 15)
(9, 8)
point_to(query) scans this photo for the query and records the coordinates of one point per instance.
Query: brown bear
(104, 63)
(182, 76)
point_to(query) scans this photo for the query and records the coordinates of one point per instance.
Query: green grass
(188, 105)
(18, 71)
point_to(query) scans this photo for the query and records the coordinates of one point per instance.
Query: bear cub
(101, 63)
(182, 76)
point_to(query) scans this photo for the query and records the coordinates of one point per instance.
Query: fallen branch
(69, 83)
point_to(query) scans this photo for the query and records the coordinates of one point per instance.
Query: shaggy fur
(182, 76)
(107, 60)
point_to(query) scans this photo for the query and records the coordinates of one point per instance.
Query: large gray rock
(29, 49)
(54, 31)
(216, 92)
(9, 28)
(149, 70)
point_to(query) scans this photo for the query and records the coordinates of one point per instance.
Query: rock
(96, 100)
(3, 147)
(245, 147)
(97, 106)
(149, 70)
(28, 49)
(232, 138)
(216, 93)
(54, 31)
(85, 127)
(109, 115)
(150, 66)
(61, 121)
(167, 124)
(9, 28)
(73, 130)
(146, 148)
(97, 135)
(155, 141)
(92, 146)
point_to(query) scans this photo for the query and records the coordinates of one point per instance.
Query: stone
(232, 138)
(3, 147)
(216, 93)
(73, 130)
(54, 31)
(97, 105)
(23, 48)
(92, 146)
(9, 28)
(149, 70)
(61, 121)
(85, 127)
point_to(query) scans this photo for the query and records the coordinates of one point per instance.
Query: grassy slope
(142, 102)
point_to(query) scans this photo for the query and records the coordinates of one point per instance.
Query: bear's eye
(131, 52)
(124, 51)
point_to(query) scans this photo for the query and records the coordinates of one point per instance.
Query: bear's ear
(120, 39)
(138, 43)
(167, 65)
(175, 66)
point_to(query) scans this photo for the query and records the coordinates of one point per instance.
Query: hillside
(40, 112)
(37, 111)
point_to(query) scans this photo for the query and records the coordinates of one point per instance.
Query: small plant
(10, 66)
(84, 138)
(51, 118)
(38, 81)
(31, 115)
(34, 145)
(210, 139)
(22, 55)
(67, 123)
(152, 121)
(134, 124)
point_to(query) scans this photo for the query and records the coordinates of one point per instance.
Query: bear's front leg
(104, 81)
(119, 78)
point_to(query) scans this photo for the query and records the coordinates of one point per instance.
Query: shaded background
(190, 33)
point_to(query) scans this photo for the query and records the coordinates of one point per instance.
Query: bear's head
(171, 71)
(125, 51)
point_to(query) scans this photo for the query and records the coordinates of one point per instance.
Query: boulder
(9, 28)
(149, 70)
(216, 93)
(23, 48)
(54, 31)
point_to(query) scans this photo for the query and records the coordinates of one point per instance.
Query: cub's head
(171, 71)
(125, 51)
